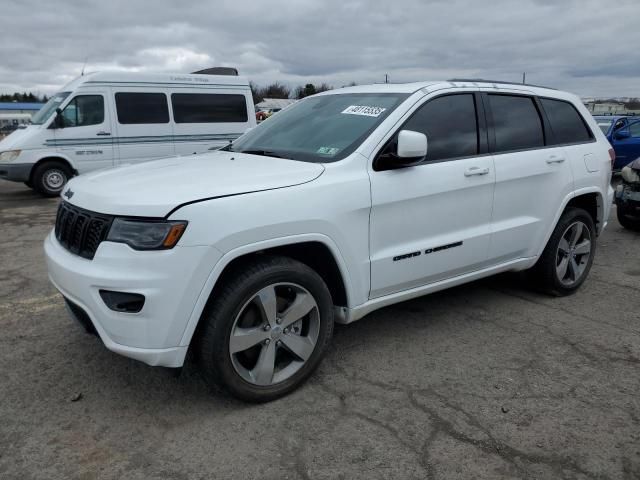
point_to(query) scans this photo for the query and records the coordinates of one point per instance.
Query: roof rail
(482, 80)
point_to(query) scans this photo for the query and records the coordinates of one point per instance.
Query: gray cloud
(585, 46)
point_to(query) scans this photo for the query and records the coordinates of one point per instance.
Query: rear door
(143, 123)
(532, 175)
(205, 119)
(86, 137)
(432, 221)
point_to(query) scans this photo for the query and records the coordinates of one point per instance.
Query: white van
(107, 119)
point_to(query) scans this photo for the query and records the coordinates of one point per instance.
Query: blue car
(623, 133)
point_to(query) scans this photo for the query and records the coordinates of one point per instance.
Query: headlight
(146, 234)
(9, 155)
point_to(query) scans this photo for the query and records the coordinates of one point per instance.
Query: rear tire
(50, 177)
(252, 342)
(629, 222)
(568, 256)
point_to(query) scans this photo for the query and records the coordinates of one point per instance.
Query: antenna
(524, 77)
(84, 65)
(386, 78)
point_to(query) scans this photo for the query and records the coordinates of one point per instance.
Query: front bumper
(170, 280)
(16, 172)
(628, 197)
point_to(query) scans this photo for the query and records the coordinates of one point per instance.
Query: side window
(208, 108)
(567, 124)
(450, 124)
(84, 110)
(516, 122)
(136, 108)
(634, 129)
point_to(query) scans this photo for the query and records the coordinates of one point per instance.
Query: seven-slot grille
(81, 231)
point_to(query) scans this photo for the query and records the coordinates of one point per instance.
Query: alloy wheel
(274, 334)
(574, 251)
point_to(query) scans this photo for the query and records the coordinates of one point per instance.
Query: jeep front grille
(81, 231)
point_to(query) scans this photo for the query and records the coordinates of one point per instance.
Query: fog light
(122, 301)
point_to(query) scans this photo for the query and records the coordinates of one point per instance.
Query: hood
(153, 189)
(16, 139)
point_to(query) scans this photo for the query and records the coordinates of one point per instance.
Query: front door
(432, 221)
(626, 142)
(86, 134)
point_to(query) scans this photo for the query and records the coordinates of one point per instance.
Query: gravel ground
(487, 380)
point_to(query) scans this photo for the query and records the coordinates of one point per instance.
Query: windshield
(604, 125)
(45, 112)
(326, 128)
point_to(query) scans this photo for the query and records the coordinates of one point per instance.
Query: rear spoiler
(218, 71)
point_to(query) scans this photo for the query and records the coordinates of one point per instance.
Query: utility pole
(386, 78)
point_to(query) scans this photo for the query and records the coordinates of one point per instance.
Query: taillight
(612, 156)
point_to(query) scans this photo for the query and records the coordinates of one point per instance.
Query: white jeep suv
(344, 203)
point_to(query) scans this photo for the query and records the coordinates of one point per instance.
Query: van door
(532, 175)
(86, 134)
(144, 128)
(433, 221)
(208, 119)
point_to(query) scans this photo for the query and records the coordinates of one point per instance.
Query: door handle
(471, 171)
(555, 159)
(103, 134)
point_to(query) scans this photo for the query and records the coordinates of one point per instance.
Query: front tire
(50, 177)
(266, 330)
(568, 256)
(629, 222)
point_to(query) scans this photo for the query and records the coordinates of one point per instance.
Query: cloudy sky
(590, 47)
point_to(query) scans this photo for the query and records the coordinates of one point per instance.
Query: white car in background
(346, 202)
(107, 119)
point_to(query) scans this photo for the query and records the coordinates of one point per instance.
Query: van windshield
(45, 112)
(319, 129)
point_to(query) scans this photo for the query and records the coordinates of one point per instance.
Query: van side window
(136, 108)
(208, 108)
(567, 124)
(84, 110)
(450, 124)
(516, 123)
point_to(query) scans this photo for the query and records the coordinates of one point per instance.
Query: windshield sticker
(328, 150)
(363, 110)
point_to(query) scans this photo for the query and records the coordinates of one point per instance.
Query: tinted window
(84, 110)
(566, 122)
(134, 108)
(516, 122)
(208, 108)
(634, 129)
(450, 125)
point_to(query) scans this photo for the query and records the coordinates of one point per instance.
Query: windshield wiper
(264, 153)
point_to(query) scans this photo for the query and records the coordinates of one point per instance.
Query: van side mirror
(59, 120)
(409, 149)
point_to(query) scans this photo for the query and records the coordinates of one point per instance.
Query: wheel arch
(319, 252)
(56, 158)
(589, 199)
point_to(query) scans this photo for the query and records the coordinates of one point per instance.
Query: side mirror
(409, 148)
(412, 146)
(621, 134)
(59, 120)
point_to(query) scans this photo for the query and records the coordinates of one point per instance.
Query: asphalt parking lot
(487, 380)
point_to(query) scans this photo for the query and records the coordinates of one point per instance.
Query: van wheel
(266, 329)
(629, 222)
(49, 178)
(568, 256)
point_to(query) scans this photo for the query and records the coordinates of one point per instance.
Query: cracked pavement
(487, 381)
